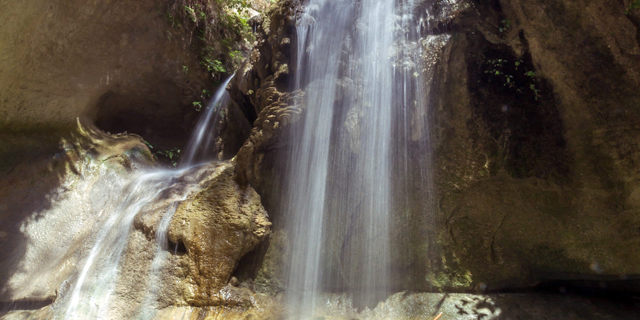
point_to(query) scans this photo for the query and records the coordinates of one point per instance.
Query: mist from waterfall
(349, 161)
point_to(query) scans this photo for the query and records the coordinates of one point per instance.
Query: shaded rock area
(535, 179)
(119, 64)
(532, 117)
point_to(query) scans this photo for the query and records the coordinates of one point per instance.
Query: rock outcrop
(260, 89)
(217, 227)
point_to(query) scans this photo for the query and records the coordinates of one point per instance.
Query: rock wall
(117, 63)
(49, 209)
(539, 187)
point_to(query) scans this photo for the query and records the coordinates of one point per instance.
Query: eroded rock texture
(217, 227)
(538, 184)
(260, 89)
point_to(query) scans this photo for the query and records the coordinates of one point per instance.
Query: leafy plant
(213, 65)
(221, 28)
(205, 94)
(506, 25)
(635, 4)
(170, 155)
(198, 105)
(501, 70)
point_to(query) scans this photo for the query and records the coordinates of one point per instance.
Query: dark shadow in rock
(519, 110)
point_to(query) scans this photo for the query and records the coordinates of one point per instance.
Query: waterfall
(341, 193)
(91, 292)
(203, 138)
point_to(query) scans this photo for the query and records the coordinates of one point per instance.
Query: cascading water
(91, 294)
(363, 107)
(203, 138)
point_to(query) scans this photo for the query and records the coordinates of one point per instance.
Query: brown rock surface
(217, 227)
(116, 62)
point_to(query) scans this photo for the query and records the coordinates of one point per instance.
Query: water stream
(91, 293)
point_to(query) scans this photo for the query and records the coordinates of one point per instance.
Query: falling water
(203, 138)
(364, 111)
(90, 297)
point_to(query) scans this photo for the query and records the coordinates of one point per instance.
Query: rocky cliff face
(119, 66)
(533, 126)
(542, 184)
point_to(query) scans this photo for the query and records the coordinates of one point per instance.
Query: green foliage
(514, 77)
(172, 155)
(221, 28)
(185, 69)
(172, 20)
(213, 66)
(635, 4)
(506, 25)
(198, 105)
(191, 13)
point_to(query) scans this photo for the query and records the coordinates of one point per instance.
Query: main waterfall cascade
(362, 144)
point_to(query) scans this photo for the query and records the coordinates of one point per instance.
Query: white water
(91, 294)
(350, 163)
(200, 146)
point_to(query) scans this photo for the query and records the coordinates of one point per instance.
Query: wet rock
(543, 185)
(51, 203)
(426, 306)
(217, 227)
(260, 89)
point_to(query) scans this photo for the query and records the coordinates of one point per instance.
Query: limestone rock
(217, 226)
(570, 143)
(260, 89)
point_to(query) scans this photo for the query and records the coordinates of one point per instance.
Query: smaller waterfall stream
(90, 297)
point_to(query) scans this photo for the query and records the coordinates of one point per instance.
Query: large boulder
(217, 227)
